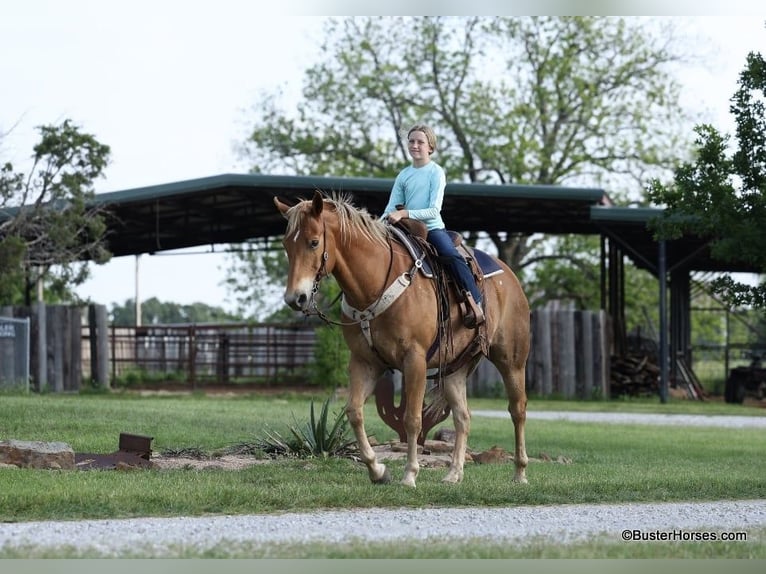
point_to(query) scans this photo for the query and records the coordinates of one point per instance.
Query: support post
(662, 275)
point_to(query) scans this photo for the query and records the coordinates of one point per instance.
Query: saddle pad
(485, 261)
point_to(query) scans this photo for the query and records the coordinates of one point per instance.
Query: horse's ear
(317, 204)
(282, 206)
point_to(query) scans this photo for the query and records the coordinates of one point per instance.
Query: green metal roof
(232, 208)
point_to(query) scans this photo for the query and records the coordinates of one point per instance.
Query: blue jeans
(454, 262)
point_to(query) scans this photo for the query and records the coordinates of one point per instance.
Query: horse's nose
(296, 300)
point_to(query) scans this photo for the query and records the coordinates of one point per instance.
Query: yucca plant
(320, 436)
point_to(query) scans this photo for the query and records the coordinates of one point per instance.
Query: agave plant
(320, 436)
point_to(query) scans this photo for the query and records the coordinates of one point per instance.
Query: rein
(364, 316)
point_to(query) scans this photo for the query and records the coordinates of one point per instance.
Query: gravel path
(638, 418)
(558, 523)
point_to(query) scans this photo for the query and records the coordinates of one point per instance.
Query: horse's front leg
(362, 379)
(414, 374)
(455, 393)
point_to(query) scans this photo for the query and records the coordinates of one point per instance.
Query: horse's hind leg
(362, 379)
(517, 405)
(514, 379)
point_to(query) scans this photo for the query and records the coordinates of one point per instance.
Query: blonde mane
(351, 219)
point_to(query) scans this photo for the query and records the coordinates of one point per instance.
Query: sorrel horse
(329, 235)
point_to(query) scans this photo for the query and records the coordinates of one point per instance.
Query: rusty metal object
(134, 452)
(136, 443)
(393, 415)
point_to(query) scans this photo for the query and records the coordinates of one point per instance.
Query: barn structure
(233, 208)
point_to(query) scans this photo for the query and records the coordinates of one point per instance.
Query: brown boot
(473, 316)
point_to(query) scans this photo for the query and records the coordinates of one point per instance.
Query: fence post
(99, 345)
(543, 352)
(41, 363)
(566, 350)
(193, 356)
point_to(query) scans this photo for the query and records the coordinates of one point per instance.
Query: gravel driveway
(724, 421)
(559, 523)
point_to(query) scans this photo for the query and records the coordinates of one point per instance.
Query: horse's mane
(351, 219)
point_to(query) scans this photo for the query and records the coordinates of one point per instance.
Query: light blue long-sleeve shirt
(421, 191)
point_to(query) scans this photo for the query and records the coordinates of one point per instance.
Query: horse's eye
(314, 243)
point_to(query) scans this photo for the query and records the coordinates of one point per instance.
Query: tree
(261, 262)
(533, 100)
(155, 312)
(48, 230)
(720, 195)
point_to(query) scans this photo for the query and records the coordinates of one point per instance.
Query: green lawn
(609, 463)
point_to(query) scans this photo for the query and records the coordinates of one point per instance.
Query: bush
(320, 437)
(331, 355)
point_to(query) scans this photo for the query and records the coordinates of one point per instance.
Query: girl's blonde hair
(429, 133)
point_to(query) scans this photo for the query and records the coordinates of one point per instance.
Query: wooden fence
(569, 356)
(271, 354)
(55, 354)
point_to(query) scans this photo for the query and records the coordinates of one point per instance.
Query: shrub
(329, 369)
(321, 436)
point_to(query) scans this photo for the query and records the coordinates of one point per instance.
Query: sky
(170, 85)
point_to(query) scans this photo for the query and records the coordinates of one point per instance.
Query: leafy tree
(155, 312)
(261, 262)
(533, 100)
(48, 230)
(720, 195)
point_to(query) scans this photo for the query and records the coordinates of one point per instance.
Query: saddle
(412, 234)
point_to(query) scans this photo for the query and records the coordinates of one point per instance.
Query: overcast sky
(169, 85)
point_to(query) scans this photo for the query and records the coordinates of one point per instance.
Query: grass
(599, 547)
(610, 463)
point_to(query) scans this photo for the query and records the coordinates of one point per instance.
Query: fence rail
(71, 346)
(273, 354)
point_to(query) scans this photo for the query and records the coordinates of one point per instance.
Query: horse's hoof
(452, 478)
(385, 478)
(409, 482)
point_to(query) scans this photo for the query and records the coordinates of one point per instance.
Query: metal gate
(14, 354)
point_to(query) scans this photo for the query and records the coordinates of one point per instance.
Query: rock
(37, 454)
(445, 434)
(494, 455)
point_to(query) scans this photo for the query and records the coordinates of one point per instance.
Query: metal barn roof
(232, 208)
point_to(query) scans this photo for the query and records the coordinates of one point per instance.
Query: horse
(329, 235)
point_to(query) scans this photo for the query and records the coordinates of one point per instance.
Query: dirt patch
(435, 454)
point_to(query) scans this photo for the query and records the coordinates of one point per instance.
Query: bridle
(313, 309)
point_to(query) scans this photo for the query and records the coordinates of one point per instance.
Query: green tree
(578, 281)
(720, 194)
(260, 262)
(48, 230)
(155, 312)
(533, 100)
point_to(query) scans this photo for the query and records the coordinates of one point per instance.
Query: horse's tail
(436, 401)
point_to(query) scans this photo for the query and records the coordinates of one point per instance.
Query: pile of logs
(637, 375)
(634, 376)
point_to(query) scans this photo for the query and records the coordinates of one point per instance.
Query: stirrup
(473, 315)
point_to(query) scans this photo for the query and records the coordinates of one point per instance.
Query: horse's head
(305, 242)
